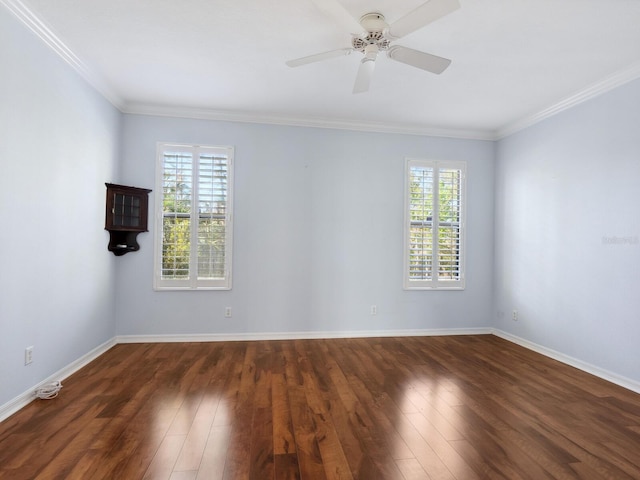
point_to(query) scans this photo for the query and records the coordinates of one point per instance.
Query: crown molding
(42, 31)
(301, 121)
(39, 28)
(605, 85)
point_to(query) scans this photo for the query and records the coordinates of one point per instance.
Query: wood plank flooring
(463, 407)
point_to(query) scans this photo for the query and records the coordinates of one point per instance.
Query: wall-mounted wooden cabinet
(126, 216)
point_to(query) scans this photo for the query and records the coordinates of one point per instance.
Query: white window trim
(434, 283)
(193, 283)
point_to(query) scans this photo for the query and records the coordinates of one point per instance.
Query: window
(194, 238)
(434, 224)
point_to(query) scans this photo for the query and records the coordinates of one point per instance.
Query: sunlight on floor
(190, 437)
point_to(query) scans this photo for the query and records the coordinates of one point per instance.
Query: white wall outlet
(374, 310)
(227, 312)
(28, 355)
(514, 315)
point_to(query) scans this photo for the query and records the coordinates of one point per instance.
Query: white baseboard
(574, 362)
(27, 397)
(233, 337)
(24, 399)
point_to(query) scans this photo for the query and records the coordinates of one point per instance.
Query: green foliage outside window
(177, 218)
(422, 228)
(176, 227)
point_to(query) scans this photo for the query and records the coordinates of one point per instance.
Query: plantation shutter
(212, 209)
(421, 237)
(196, 217)
(177, 188)
(434, 224)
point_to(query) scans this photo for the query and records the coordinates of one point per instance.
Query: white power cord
(49, 390)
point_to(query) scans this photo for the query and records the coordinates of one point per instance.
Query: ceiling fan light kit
(373, 22)
(376, 36)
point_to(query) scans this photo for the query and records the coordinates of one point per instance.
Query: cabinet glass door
(126, 210)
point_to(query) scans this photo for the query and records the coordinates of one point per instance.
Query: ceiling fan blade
(319, 57)
(334, 9)
(423, 15)
(365, 72)
(418, 59)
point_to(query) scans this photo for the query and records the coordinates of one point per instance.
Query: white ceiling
(513, 61)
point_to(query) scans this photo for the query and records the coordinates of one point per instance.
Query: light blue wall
(568, 232)
(59, 143)
(318, 227)
(317, 237)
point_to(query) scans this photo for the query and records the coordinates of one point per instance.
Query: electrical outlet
(227, 312)
(374, 310)
(28, 355)
(514, 315)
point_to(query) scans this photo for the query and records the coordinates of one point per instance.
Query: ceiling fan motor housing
(375, 26)
(376, 36)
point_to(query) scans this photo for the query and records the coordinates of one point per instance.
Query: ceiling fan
(376, 36)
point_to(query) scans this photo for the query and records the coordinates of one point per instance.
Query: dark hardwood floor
(466, 407)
